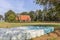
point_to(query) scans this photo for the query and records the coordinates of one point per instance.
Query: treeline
(37, 15)
(10, 16)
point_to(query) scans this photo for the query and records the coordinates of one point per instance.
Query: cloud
(14, 5)
(5, 4)
(17, 6)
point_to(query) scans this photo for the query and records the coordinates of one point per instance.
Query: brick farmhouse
(25, 18)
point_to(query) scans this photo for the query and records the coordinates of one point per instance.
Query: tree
(10, 16)
(53, 15)
(54, 4)
(32, 15)
(57, 16)
(44, 3)
(38, 15)
(49, 2)
(24, 13)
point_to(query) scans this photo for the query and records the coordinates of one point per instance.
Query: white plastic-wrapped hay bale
(34, 33)
(39, 32)
(19, 36)
(1, 37)
(14, 38)
(8, 32)
(22, 28)
(31, 34)
(5, 37)
(28, 34)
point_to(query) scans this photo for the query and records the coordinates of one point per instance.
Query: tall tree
(50, 15)
(24, 13)
(44, 3)
(32, 15)
(38, 15)
(50, 4)
(57, 8)
(10, 16)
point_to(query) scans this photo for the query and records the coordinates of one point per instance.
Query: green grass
(52, 39)
(8, 25)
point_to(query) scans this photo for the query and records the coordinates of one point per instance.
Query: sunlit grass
(8, 25)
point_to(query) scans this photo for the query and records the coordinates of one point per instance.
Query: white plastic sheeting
(23, 33)
(34, 33)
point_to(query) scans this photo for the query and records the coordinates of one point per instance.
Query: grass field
(8, 25)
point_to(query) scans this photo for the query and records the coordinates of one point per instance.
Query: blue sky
(18, 6)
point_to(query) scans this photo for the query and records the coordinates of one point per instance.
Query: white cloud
(6, 5)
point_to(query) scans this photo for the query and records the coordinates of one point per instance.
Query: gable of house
(23, 18)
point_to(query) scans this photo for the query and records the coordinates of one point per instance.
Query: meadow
(9, 25)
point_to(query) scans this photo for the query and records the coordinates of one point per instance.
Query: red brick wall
(24, 18)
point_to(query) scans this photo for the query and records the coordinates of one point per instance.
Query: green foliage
(24, 13)
(44, 3)
(52, 39)
(10, 16)
(32, 15)
(52, 13)
(38, 15)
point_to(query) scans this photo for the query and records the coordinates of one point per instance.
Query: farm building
(23, 18)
